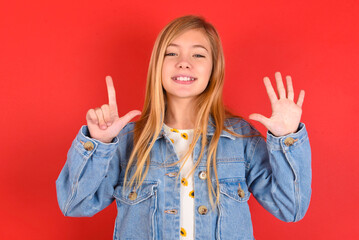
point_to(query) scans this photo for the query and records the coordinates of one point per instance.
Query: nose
(183, 63)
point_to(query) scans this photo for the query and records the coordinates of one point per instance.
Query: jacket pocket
(234, 215)
(136, 211)
(235, 189)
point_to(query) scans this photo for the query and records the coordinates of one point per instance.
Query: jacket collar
(210, 129)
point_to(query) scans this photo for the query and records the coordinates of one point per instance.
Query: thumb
(260, 118)
(126, 118)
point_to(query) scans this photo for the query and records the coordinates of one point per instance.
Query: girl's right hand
(104, 123)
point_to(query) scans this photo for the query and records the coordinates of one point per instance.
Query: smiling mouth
(184, 79)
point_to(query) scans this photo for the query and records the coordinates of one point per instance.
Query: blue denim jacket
(277, 172)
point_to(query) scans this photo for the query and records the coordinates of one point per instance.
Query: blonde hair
(148, 127)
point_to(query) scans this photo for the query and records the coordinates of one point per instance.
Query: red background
(54, 57)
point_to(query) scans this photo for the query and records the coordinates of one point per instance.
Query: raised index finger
(111, 95)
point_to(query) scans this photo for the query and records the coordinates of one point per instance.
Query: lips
(183, 78)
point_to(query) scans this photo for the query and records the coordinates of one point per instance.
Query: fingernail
(108, 124)
(103, 126)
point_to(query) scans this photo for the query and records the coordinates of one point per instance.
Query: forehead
(191, 38)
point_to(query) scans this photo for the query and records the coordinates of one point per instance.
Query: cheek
(165, 77)
(207, 70)
(164, 71)
(164, 68)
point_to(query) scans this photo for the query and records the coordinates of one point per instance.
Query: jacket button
(132, 196)
(241, 193)
(289, 141)
(202, 210)
(88, 146)
(202, 175)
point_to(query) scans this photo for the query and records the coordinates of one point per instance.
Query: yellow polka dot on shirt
(183, 232)
(184, 182)
(184, 135)
(174, 130)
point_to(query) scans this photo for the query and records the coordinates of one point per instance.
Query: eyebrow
(194, 46)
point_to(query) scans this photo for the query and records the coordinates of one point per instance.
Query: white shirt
(181, 139)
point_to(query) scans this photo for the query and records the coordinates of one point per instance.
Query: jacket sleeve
(86, 183)
(279, 174)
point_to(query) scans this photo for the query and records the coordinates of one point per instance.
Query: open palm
(286, 113)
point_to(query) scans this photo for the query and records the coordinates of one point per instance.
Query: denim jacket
(277, 172)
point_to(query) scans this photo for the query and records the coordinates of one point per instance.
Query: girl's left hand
(286, 114)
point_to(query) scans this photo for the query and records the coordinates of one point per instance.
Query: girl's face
(187, 65)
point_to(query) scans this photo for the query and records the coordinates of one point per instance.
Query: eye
(198, 56)
(170, 54)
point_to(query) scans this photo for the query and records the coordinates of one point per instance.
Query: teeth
(184, 78)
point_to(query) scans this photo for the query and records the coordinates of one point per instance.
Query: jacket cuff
(86, 145)
(288, 141)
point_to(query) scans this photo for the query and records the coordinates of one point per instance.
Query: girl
(187, 167)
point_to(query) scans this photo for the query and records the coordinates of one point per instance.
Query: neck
(180, 113)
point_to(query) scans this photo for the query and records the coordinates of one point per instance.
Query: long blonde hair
(209, 102)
